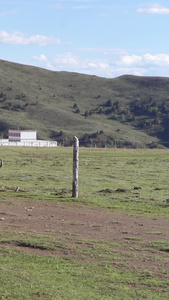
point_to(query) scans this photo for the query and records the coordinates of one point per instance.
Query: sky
(106, 38)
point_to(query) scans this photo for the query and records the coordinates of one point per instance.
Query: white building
(22, 135)
(25, 138)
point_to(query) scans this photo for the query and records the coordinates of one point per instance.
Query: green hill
(128, 111)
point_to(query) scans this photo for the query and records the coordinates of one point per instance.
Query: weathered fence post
(75, 167)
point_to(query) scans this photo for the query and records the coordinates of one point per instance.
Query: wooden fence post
(75, 167)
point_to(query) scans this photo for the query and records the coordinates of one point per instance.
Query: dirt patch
(72, 223)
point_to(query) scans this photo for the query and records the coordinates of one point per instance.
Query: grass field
(135, 181)
(114, 180)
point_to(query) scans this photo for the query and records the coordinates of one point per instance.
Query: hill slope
(126, 111)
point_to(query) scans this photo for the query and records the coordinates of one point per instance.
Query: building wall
(28, 135)
(22, 135)
(14, 135)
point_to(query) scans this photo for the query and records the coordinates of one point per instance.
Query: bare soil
(71, 223)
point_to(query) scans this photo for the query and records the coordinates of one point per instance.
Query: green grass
(135, 181)
(35, 241)
(132, 181)
(25, 276)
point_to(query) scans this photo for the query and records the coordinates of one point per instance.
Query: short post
(75, 167)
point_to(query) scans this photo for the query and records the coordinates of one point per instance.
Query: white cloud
(18, 38)
(77, 63)
(137, 60)
(145, 64)
(129, 60)
(66, 59)
(137, 71)
(98, 65)
(158, 59)
(41, 58)
(115, 63)
(74, 63)
(154, 9)
(44, 62)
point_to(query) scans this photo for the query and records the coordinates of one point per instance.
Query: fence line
(37, 143)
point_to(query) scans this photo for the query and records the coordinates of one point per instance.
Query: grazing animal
(1, 163)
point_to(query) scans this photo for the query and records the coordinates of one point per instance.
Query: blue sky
(107, 38)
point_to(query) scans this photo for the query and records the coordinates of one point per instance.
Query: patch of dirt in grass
(70, 224)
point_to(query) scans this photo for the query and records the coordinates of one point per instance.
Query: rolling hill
(127, 111)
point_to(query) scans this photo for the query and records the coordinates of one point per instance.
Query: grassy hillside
(127, 111)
